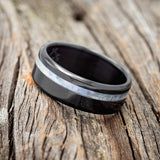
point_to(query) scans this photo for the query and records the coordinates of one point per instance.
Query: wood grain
(34, 126)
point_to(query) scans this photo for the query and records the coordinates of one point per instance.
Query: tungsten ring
(81, 78)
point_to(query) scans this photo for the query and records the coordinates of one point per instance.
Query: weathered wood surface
(34, 126)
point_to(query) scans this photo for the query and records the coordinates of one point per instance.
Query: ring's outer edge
(46, 59)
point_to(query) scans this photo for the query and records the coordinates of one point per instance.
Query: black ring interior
(86, 65)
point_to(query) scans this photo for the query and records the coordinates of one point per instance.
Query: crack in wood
(66, 134)
(49, 151)
(3, 59)
(83, 141)
(11, 111)
(129, 138)
(33, 120)
(140, 129)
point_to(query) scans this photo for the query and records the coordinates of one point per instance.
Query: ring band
(81, 78)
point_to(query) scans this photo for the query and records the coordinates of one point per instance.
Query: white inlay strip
(77, 89)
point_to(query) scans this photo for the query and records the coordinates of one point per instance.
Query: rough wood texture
(34, 126)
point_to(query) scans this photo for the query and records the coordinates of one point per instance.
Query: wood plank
(37, 127)
(93, 148)
(53, 135)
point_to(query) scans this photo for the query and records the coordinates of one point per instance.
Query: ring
(81, 78)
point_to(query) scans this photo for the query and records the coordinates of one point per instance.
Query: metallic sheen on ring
(81, 78)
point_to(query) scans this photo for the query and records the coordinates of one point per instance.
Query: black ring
(81, 78)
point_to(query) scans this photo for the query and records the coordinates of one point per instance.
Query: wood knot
(79, 14)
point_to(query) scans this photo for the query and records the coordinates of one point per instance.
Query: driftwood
(34, 126)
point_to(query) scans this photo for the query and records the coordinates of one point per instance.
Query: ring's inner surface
(86, 65)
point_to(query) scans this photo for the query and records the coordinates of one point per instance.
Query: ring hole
(86, 64)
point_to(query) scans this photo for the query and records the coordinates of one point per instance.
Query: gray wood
(34, 126)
